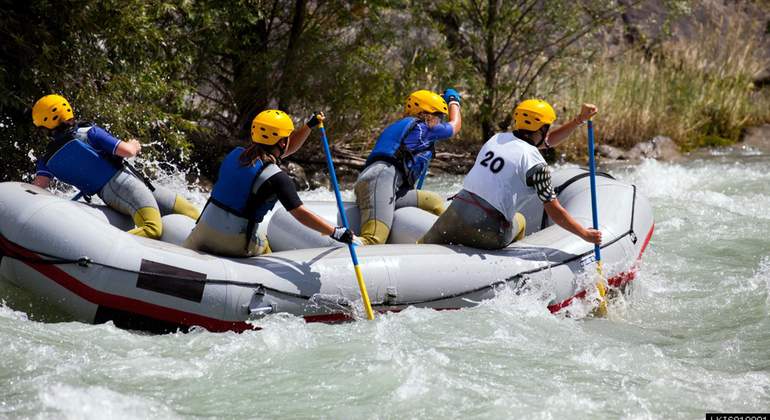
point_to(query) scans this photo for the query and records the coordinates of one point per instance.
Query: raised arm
(297, 139)
(559, 135)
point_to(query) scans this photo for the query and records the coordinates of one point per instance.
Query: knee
(183, 207)
(374, 232)
(522, 226)
(430, 202)
(148, 223)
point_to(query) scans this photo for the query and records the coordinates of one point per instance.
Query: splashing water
(692, 336)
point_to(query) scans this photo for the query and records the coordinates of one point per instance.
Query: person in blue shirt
(91, 159)
(249, 186)
(402, 153)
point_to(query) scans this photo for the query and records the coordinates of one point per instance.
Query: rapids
(691, 336)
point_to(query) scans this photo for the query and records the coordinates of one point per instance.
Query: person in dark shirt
(91, 159)
(250, 184)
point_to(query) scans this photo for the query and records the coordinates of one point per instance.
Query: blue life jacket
(233, 190)
(73, 161)
(390, 147)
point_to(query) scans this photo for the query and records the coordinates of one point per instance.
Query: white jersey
(499, 174)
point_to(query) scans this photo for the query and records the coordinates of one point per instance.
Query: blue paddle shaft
(422, 178)
(592, 168)
(336, 187)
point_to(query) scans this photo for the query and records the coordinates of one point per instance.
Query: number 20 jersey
(499, 174)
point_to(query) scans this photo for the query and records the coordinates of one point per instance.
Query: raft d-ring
(633, 237)
(84, 262)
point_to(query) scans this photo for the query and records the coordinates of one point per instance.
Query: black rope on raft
(87, 262)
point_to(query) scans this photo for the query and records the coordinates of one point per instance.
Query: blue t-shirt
(98, 139)
(422, 137)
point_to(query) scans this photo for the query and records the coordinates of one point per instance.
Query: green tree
(503, 48)
(110, 59)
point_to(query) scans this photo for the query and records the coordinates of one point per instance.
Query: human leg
(128, 195)
(424, 200)
(375, 195)
(471, 224)
(171, 203)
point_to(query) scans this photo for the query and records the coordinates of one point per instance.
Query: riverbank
(309, 170)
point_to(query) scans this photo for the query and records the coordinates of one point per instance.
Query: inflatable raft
(80, 258)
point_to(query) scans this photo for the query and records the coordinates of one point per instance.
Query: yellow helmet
(425, 100)
(532, 114)
(50, 111)
(270, 126)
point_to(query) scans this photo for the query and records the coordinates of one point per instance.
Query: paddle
(361, 285)
(602, 309)
(422, 178)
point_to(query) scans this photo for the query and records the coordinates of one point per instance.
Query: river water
(692, 336)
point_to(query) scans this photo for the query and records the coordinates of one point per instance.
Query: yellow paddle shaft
(364, 294)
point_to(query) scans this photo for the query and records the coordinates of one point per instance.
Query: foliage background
(187, 76)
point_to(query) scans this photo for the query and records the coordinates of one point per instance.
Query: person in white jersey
(484, 214)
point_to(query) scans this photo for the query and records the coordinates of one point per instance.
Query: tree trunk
(488, 110)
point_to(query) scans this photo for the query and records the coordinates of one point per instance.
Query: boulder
(609, 152)
(297, 174)
(757, 138)
(320, 179)
(660, 148)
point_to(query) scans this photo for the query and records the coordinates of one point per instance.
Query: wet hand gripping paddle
(341, 209)
(602, 309)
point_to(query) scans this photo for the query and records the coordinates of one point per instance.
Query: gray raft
(80, 258)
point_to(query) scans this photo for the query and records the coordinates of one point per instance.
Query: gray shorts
(126, 193)
(222, 233)
(378, 194)
(472, 221)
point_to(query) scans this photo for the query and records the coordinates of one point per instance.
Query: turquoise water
(692, 336)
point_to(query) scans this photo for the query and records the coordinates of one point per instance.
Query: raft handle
(84, 262)
(264, 310)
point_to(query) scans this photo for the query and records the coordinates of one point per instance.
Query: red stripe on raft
(123, 303)
(617, 281)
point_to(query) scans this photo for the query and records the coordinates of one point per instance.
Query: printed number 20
(496, 165)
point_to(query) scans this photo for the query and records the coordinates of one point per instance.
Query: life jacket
(390, 147)
(73, 161)
(235, 196)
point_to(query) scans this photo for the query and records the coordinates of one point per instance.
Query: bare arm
(41, 181)
(128, 149)
(297, 139)
(560, 216)
(311, 220)
(455, 120)
(559, 135)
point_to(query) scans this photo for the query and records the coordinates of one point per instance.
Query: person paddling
(250, 184)
(509, 167)
(402, 152)
(91, 159)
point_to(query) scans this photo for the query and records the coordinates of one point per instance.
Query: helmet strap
(543, 132)
(281, 150)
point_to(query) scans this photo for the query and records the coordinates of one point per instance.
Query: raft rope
(87, 262)
(84, 261)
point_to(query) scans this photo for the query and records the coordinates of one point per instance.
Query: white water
(692, 337)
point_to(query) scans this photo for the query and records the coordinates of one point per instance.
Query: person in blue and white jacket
(91, 159)
(402, 153)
